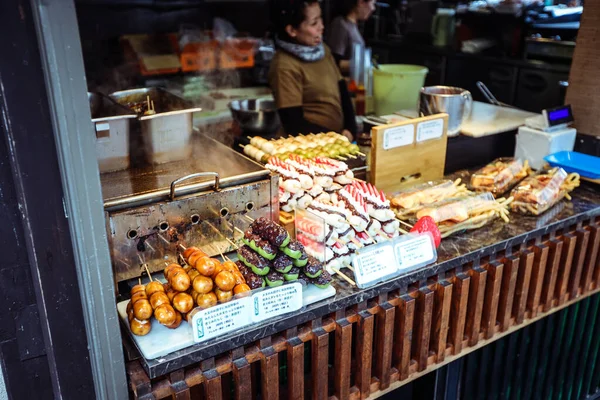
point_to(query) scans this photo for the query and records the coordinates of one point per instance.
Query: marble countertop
(453, 252)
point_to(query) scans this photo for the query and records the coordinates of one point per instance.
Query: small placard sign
(374, 263)
(262, 305)
(414, 252)
(380, 262)
(273, 302)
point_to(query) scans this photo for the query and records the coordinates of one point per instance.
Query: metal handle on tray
(196, 175)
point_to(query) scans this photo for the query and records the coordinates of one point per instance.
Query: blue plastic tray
(585, 165)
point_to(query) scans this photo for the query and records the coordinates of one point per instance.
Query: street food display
(270, 258)
(203, 282)
(356, 216)
(408, 202)
(332, 145)
(471, 212)
(499, 176)
(536, 194)
(303, 181)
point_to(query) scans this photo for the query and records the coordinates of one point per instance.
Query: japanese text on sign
(428, 130)
(218, 320)
(373, 264)
(414, 252)
(398, 136)
(273, 302)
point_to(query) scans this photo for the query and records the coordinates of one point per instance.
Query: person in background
(343, 31)
(309, 91)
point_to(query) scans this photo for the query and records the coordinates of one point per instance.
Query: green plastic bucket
(396, 87)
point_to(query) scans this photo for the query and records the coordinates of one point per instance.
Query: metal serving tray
(166, 134)
(112, 123)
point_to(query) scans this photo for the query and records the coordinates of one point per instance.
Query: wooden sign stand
(408, 152)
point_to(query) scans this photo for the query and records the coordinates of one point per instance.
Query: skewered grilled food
(183, 302)
(282, 263)
(223, 296)
(140, 328)
(241, 288)
(165, 314)
(202, 284)
(257, 263)
(256, 243)
(152, 287)
(270, 231)
(225, 281)
(206, 300)
(292, 274)
(274, 279)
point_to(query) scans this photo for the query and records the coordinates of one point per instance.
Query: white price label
(429, 130)
(374, 263)
(273, 302)
(398, 136)
(414, 252)
(221, 319)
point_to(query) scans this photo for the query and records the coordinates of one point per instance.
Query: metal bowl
(256, 115)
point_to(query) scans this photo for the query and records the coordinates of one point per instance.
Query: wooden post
(584, 86)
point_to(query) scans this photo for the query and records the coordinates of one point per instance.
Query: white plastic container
(533, 145)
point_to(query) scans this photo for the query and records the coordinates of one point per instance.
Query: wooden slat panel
(295, 368)
(384, 342)
(441, 318)
(590, 258)
(404, 335)
(492, 295)
(212, 385)
(556, 247)
(507, 292)
(458, 314)
(320, 354)
(138, 380)
(343, 358)
(422, 330)
(475, 306)
(242, 379)
(564, 271)
(364, 352)
(269, 364)
(523, 283)
(537, 278)
(178, 386)
(583, 237)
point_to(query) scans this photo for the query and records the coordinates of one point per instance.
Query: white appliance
(545, 134)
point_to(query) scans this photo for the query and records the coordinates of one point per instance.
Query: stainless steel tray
(165, 134)
(140, 186)
(112, 123)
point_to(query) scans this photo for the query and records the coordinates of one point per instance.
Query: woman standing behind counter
(309, 91)
(344, 33)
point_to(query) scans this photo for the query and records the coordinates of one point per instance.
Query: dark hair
(345, 7)
(288, 12)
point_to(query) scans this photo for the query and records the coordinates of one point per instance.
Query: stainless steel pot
(256, 115)
(455, 102)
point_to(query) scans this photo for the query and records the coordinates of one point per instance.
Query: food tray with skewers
(499, 176)
(408, 202)
(538, 193)
(331, 144)
(157, 313)
(472, 212)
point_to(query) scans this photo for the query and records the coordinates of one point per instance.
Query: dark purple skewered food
(270, 231)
